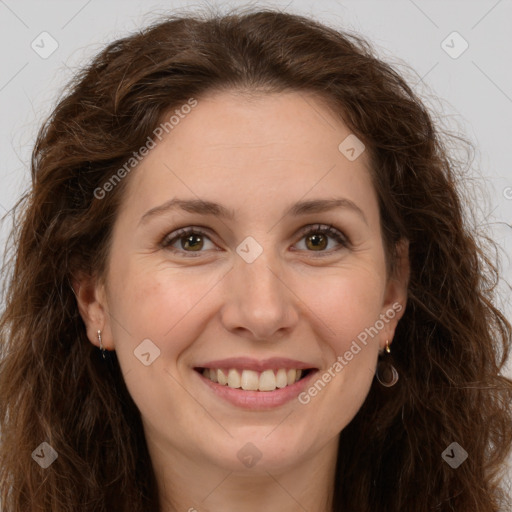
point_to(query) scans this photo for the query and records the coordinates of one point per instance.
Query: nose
(259, 303)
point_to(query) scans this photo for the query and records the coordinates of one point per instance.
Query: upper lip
(258, 365)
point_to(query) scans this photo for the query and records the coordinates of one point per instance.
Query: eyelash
(332, 232)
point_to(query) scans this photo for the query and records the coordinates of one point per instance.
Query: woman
(243, 280)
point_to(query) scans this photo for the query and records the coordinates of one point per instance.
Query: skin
(256, 155)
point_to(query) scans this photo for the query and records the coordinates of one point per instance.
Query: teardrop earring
(101, 345)
(386, 373)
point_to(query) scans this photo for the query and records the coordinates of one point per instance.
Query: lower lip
(258, 400)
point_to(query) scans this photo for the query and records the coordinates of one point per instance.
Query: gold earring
(386, 373)
(101, 345)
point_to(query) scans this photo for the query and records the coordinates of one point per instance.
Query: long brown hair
(449, 347)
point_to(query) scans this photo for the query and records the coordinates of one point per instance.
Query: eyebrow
(203, 207)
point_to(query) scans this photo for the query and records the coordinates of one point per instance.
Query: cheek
(163, 307)
(348, 301)
(350, 306)
(160, 304)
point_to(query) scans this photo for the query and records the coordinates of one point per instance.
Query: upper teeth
(250, 380)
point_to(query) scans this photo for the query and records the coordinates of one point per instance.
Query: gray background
(471, 94)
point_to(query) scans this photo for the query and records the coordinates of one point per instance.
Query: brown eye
(193, 242)
(318, 237)
(187, 241)
(316, 241)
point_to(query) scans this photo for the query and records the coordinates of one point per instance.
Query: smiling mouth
(250, 380)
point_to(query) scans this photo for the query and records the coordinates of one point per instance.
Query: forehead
(246, 147)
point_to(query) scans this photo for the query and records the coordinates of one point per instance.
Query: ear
(91, 297)
(395, 298)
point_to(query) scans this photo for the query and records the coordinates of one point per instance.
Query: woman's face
(256, 290)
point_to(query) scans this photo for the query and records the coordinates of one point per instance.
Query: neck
(195, 485)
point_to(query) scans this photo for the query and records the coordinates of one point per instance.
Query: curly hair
(449, 347)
